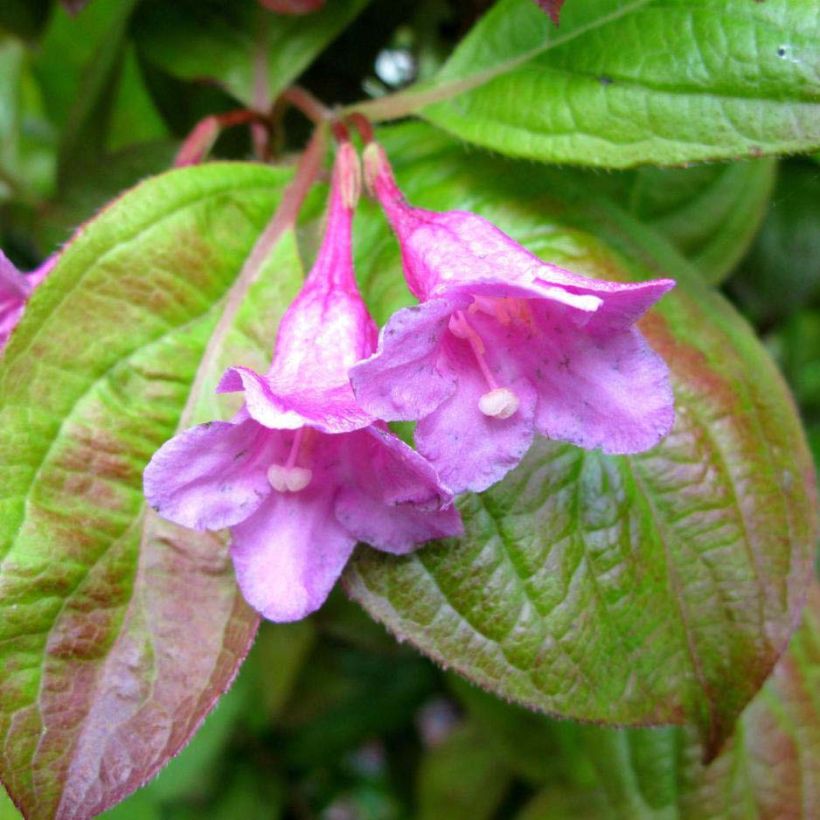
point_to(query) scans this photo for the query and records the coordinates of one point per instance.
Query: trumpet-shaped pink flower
(504, 345)
(303, 473)
(15, 290)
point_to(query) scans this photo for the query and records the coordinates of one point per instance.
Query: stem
(310, 164)
(312, 108)
(199, 142)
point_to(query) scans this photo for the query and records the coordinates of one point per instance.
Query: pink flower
(504, 345)
(303, 473)
(15, 290)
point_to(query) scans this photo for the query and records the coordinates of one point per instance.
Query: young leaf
(657, 588)
(644, 81)
(118, 631)
(199, 39)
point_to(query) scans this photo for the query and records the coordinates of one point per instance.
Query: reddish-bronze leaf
(119, 631)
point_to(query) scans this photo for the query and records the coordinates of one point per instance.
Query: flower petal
(610, 392)
(471, 450)
(331, 409)
(406, 378)
(290, 553)
(213, 475)
(397, 502)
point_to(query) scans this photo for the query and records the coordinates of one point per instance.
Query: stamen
(499, 402)
(287, 477)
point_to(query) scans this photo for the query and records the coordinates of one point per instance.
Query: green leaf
(657, 588)
(623, 83)
(781, 274)
(710, 213)
(239, 44)
(462, 778)
(119, 631)
(769, 768)
(27, 144)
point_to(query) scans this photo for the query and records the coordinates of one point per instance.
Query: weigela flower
(15, 290)
(504, 345)
(303, 473)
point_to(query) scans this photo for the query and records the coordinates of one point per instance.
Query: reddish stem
(199, 142)
(362, 125)
(312, 108)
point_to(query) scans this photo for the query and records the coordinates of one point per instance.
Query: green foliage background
(333, 717)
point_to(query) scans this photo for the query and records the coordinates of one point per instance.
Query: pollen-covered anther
(500, 403)
(286, 479)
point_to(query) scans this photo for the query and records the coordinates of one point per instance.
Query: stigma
(288, 477)
(500, 403)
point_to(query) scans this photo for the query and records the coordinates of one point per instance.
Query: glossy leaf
(770, 767)
(241, 45)
(118, 631)
(658, 588)
(664, 81)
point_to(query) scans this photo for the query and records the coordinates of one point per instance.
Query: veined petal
(396, 502)
(610, 392)
(213, 475)
(406, 378)
(331, 409)
(471, 450)
(290, 553)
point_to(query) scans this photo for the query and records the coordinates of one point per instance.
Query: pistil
(498, 402)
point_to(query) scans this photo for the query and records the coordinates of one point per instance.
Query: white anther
(500, 403)
(289, 479)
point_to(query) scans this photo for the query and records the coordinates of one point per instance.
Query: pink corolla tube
(504, 345)
(303, 472)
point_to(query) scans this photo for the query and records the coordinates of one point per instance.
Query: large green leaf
(769, 769)
(623, 83)
(656, 588)
(119, 631)
(241, 45)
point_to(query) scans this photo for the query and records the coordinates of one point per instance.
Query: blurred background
(332, 717)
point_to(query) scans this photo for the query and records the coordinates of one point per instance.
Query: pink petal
(397, 502)
(404, 379)
(611, 392)
(289, 554)
(213, 475)
(331, 409)
(470, 450)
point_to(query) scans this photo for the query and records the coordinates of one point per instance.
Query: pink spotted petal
(472, 451)
(397, 502)
(405, 379)
(213, 475)
(290, 553)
